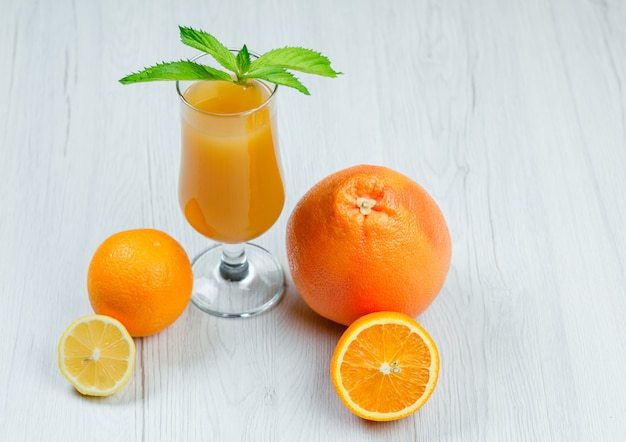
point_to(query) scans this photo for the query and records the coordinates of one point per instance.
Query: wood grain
(511, 114)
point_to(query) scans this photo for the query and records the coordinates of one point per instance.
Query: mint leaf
(205, 42)
(297, 59)
(278, 75)
(273, 66)
(243, 61)
(176, 70)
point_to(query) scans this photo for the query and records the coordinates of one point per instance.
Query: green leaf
(278, 75)
(297, 59)
(205, 42)
(273, 66)
(243, 62)
(176, 70)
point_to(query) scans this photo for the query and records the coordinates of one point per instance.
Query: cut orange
(385, 366)
(96, 355)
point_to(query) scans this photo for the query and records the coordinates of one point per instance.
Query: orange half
(385, 366)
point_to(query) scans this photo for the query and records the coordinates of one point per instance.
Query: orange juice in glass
(231, 191)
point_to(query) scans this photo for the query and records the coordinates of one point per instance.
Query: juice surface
(230, 187)
(222, 97)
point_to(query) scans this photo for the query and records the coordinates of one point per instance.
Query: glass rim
(273, 88)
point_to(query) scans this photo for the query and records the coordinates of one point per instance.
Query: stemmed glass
(231, 191)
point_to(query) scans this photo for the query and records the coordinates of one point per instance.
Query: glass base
(260, 287)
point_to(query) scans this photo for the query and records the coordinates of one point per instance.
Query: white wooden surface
(512, 114)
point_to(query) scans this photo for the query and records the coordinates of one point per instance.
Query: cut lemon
(385, 366)
(96, 355)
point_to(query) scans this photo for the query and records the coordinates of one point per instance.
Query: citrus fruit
(142, 278)
(367, 239)
(385, 366)
(96, 355)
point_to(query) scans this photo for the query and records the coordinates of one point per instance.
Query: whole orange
(142, 278)
(367, 239)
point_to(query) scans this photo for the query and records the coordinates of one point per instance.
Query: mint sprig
(273, 66)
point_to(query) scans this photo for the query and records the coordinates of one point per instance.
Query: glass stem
(234, 265)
